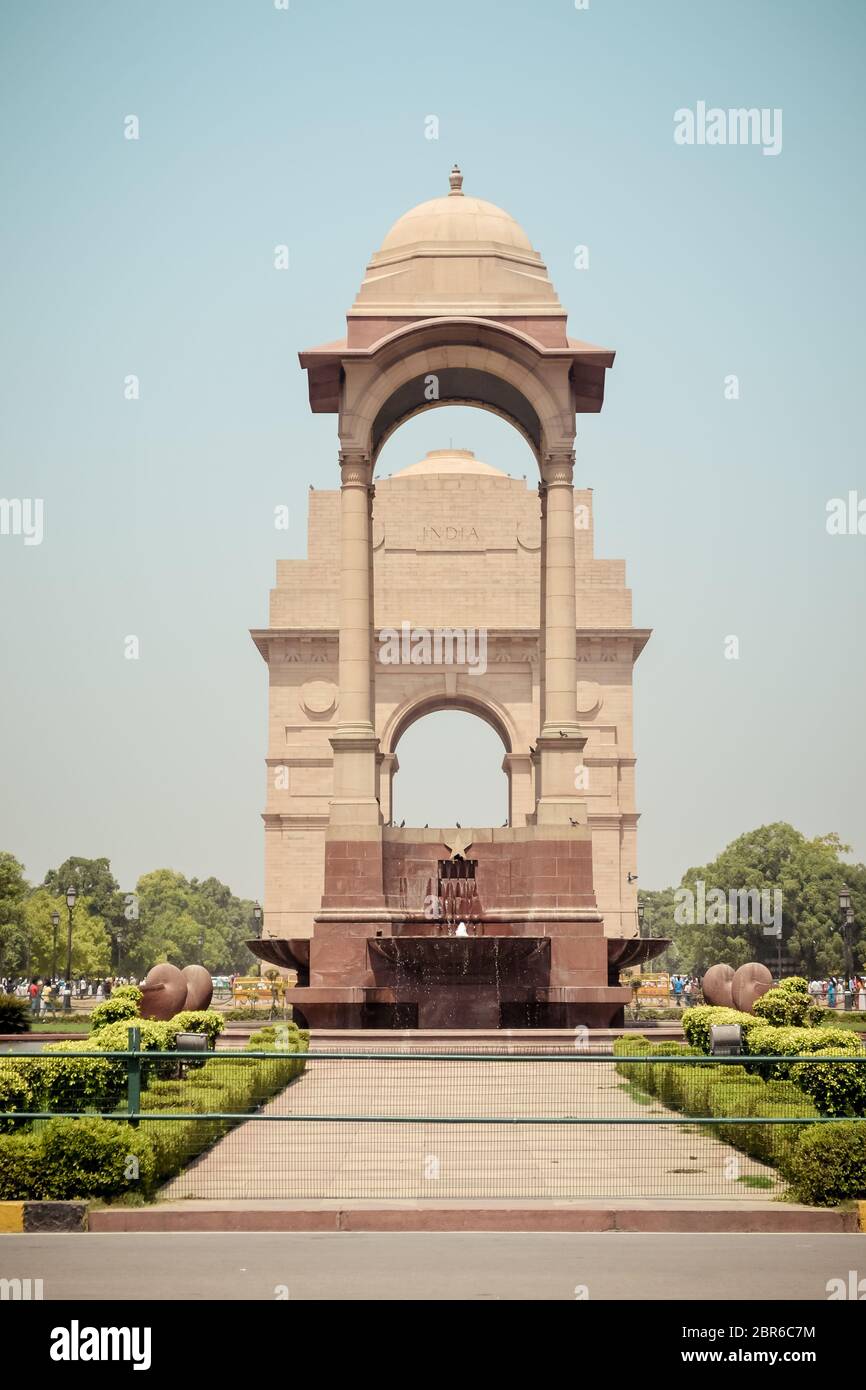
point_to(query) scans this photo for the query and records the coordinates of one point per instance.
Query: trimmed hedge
(828, 1164)
(198, 1021)
(788, 1005)
(66, 1159)
(16, 1094)
(124, 1004)
(90, 1157)
(697, 1023)
(728, 1091)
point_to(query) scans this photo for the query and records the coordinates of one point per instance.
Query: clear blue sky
(261, 126)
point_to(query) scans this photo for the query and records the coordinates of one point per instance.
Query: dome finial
(456, 181)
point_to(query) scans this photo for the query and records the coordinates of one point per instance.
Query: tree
(185, 921)
(13, 940)
(658, 921)
(91, 944)
(94, 882)
(807, 873)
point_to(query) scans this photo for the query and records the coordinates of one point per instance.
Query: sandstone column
(354, 743)
(560, 742)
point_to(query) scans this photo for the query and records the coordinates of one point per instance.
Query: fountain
(532, 953)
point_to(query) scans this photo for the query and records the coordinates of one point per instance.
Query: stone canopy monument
(453, 586)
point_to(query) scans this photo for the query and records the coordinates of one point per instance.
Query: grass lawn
(836, 1018)
(78, 1023)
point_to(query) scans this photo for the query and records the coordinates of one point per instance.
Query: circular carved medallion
(589, 696)
(529, 533)
(318, 697)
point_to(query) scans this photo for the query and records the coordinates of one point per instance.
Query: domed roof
(456, 255)
(449, 461)
(456, 219)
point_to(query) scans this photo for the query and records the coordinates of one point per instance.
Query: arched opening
(489, 437)
(457, 386)
(450, 770)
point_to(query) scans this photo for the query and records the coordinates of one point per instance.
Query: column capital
(557, 468)
(356, 468)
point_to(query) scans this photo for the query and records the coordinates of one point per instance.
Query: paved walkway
(280, 1159)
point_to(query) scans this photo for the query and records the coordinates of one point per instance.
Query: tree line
(167, 918)
(808, 873)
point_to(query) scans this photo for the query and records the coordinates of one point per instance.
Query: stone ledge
(479, 1216)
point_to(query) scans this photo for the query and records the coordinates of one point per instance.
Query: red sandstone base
(385, 951)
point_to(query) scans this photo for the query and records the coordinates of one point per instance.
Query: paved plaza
(279, 1159)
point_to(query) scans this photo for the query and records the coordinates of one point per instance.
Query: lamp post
(55, 923)
(71, 895)
(257, 918)
(846, 922)
(201, 947)
(640, 912)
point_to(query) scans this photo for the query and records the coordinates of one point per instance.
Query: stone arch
(490, 366)
(480, 704)
(416, 706)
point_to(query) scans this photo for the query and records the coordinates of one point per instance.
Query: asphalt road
(455, 1266)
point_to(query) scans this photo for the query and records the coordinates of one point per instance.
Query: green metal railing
(457, 1124)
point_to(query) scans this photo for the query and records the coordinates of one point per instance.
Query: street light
(71, 895)
(201, 947)
(257, 917)
(640, 912)
(846, 921)
(55, 923)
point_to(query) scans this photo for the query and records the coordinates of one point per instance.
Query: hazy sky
(154, 257)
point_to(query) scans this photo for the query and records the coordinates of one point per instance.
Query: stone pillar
(354, 743)
(560, 743)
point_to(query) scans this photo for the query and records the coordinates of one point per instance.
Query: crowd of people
(835, 992)
(839, 992)
(685, 990)
(47, 994)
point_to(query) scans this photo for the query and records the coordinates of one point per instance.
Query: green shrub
(128, 992)
(631, 1046)
(19, 1166)
(69, 1159)
(789, 1005)
(827, 1165)
(837, 1088)
(245, 1013)
(697, 1023)
(120, 1007)
(114, 1037)
(16, 1093)
(14, 1014)
(77, 1083)
(198, 1021)
(667, 1079)
(91, 1158)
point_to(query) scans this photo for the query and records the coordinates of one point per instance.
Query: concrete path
(279, 1159)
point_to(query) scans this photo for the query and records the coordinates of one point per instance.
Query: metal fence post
(133, 1075)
